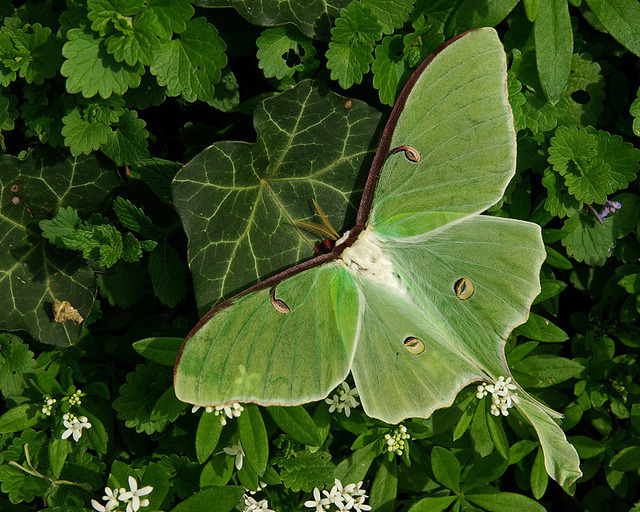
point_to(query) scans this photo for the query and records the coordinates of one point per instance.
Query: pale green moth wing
(255, 351)
(458, 121)
(418, 298)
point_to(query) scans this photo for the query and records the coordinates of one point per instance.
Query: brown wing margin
(363, 210)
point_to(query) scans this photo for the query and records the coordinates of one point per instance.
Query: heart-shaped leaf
(33, 273)
(239, 201)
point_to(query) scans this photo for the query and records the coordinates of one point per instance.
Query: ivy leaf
(16, 360)
(90, 70)
(33, 273)
(282, 51)
(313, 17)
(390, 70)
(192, 63)
(391, 14)
(127, 143)
(260, 185)
(352, 38)
(139, 395)
(620, 18)
(172, 15)
(559, 202)
(306, 470)
(586, 240)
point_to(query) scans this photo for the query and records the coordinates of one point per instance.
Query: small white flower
(344, 400)
(503, 395)
(320, 504)
(396, 442)
(360, 505)
(111, 497)
(195, 408)
(98, 507)
(335, 496)
(252, 505)
(235, 450)
(74, 426)
(75, 398)
(134, 495)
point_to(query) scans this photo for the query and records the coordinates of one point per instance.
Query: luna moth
(417, 299)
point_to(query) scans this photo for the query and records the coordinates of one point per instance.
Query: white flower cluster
(344, 400)
(347, 498)
(75, 398)
(48, 405)
(114, 497)
(232, 410)
(74, 425)
(395, 442)
(502, 395)
(251, 505)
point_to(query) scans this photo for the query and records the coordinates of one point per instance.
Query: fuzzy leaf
(391, 14)
(127, 144)
(260, 186)
(81, 135)
(278, 46)
(306, 470)
(90, 70)
(16, 360)
(620, 18)
(390, 70)
(352, 38)
(559, 202)
(634, 110)
(172, 15)
(588, 241)
(134, 218)
(192, 63)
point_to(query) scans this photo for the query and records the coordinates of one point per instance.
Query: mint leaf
(425, 38)
(82, 135)
(192, 63)
(90, 70)
(129, 27)
(167, 273)
(390, 70)
(63, 224)
(16, 360)
(43, 110)
(134, 218)
(306, 470)
(586, 240)
(110, 244)
(127, 143)
(559, 202)
(227, 95)
(282, 51)
(391, 14)
(352, 38)
(634, 110)
(621, 156)
(8, 112)
(172, 15)
(124, 284)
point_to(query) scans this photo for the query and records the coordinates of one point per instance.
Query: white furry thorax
(366, 258)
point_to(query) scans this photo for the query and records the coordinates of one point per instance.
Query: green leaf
(531, 9)
(217, 471)
(167, 273)
(470, 14)
(16, 360)
(498, 436)
(127, 144)
(538, 478)
(588, 241)
(559, 202)
(313, 17)
(191, 64)
(634, 110)
(433, 504)
(446, 468)
(279, 48)
(479, 431)
(631, 283)
(505, 502)
(620, 18)
(168, 407)
(58, 449)
(306, 470)
(8, 112)
(83, 136)
(427, 36)
(161, 350)
(19, 418)
(124, 284)
(391, 14)
(627, 459)
(134, 218)
(540, 329)
(486, 470)
(212, 499)
(352, 38)
(237, 201)
(253, 436)
(354, 468)
(90, 70)
(207, 436)
(554, 47)
(384, 488)
(33, 273)
(549, 288)
(296, 423)
(586, 446)
(173, 15)
(546, 370)
(390, 70)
